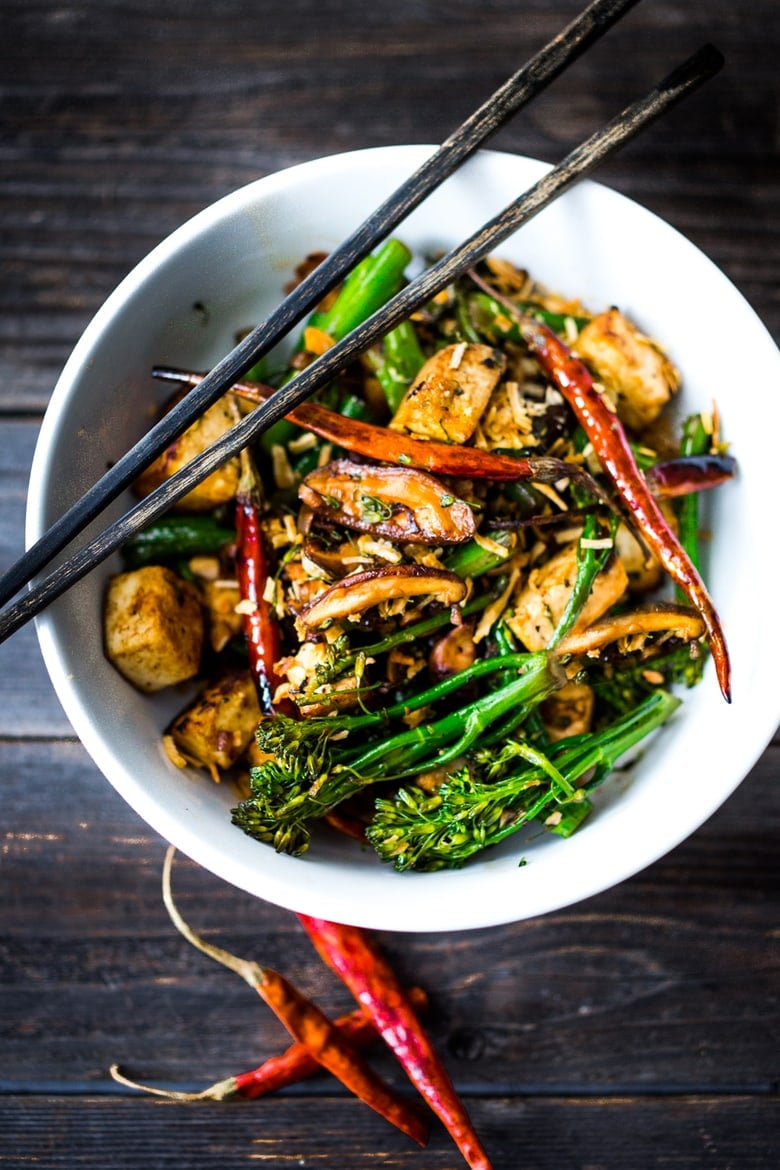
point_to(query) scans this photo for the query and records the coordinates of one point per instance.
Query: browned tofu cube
(637, 376)
(219, 726)
(449, 394)
(217, 488)
(153, 625)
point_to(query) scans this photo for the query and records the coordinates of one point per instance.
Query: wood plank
(667, 981)
(100, 163)
(636, 1029)
(28, 704)
(688, 1133)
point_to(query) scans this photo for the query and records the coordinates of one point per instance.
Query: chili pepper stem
(307, 1024)
(219, 1091)
(249, 971)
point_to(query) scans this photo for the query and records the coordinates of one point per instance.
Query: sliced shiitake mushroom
(361, 591)
(400, 503)
(453, 652)
(676, 621)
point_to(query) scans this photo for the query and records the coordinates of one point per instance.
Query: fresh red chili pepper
(689, 473)
(260, 625)
(375, 442)
(359, 962)
(608, 439)
(319, 1036)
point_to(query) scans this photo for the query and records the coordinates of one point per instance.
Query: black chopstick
(516, 92)
(579, 163)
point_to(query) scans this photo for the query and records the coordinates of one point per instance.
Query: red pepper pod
(319, 1036)
(380, 443)
(260, 624)
(609, 442)
(359, 962)
(332, 1049)
(296, 1064)
(689, 473)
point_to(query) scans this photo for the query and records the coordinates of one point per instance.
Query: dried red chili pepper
(288, 1068)
(319, 1036)
(359, 962)
(260, 625)
(295, 1064)
(609, 442)
(689, 473)
(375, 442)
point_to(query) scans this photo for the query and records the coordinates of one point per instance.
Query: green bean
(399, 364)
(695, 441)
(371, 283)
(174, 537)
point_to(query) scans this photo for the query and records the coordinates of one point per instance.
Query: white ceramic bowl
(234, 258)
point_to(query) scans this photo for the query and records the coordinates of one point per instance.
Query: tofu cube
(217, 488)
(153, 627)
(449, 394)
(216, 730)
(637, 376)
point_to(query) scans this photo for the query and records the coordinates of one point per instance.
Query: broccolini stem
(446, 686)
(400, 638)
(445, 739)
(415, 830)
(311, 773)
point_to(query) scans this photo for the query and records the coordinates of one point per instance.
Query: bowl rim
(766, 715)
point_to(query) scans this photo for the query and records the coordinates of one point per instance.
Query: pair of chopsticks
(510, 97)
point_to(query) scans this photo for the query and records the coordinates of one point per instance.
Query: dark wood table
(635, 1029)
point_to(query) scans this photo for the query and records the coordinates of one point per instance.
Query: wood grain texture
(119, 121)
(635, 1029)
(607, 1134)
(667, 982)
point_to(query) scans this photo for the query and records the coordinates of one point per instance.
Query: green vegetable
(398, 362)
(590, 562)
(174, 537)
(472, 559)
(312, 773)
(481, 805)
(342, 659)
(695, 441)
(620, 689)
(489, 318)
(371, 283)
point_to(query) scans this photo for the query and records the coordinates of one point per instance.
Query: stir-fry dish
(443, 599)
